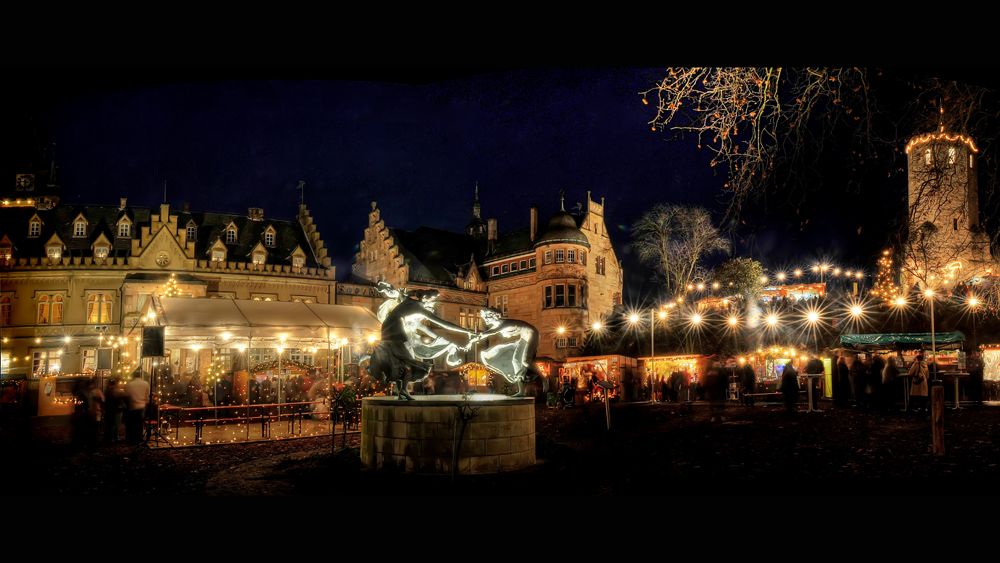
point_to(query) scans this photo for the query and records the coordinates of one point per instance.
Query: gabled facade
(560, 277)
(72, 278)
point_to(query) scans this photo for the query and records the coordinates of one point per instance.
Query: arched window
(927, 156)
(124, 229)
(269, 239)
(99, 308)
(57, 309)
(230, 235)
(43, 310)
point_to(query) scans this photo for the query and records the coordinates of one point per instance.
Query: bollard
(937, 416)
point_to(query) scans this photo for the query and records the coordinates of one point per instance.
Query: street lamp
(974, 305)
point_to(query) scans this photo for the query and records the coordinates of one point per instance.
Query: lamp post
(974, 305)
(930, 297)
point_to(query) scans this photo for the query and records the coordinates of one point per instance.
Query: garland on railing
(264, 366)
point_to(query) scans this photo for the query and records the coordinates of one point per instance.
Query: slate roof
(436, 255)
(104, 219)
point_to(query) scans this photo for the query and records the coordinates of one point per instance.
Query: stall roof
(902, 340)
(200, 319)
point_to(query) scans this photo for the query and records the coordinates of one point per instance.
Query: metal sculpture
(408, 343)
(512, 359)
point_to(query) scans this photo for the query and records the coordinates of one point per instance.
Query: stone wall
(418, 436)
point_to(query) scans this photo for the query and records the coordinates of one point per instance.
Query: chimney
(187, 208)
(123, 203)
(491, 233)
(255, 214)
(534, 221)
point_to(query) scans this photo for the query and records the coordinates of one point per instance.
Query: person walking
(137, 392)
(890, 379)
(115, 405)
(919, 385)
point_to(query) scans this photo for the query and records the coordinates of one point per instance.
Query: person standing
(919, 385)
(790, 387)
(748, 380)
(890, 377)
(815, 367)
(842, 383)
(875, 380)
(137, 392)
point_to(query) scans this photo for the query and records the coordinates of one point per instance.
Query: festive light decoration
(884, 288)
(940, 136)
(170, 289)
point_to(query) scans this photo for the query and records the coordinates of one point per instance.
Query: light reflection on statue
(407, 343)
(512, 358)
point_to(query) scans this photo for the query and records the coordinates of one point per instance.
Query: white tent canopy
(201, 322)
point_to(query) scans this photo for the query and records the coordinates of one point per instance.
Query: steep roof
(435, 255)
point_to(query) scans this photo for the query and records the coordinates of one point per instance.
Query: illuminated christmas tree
(170, 290)
(884, 288)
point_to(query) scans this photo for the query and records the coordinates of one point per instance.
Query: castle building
(76, 279)
(945, 244)
(561, 276)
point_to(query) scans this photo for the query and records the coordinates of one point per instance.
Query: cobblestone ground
(659, 449)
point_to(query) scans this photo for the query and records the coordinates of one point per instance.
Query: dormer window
(34, 228)
(54, 252)
(231, 235)
(124, 229)
(192, 232)
(259, 258)
(269, 239)
(6, 252)
(101, 252)
(298, 261)
(218, 256)
(80, 229)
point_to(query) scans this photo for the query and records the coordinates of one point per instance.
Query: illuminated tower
(946, 244)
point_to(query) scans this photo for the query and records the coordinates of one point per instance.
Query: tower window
(955, 223)
(927, 156)
(951, 155)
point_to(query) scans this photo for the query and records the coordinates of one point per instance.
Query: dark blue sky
(418, 150)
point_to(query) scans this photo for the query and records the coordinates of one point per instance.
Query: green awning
(901, 339)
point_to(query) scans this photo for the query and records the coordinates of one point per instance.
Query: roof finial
(562, 199)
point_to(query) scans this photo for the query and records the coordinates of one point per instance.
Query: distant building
(560, 276)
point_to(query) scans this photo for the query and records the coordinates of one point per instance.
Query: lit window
(123, 230)
(548, 256)
(218, 256)
(43, 310)
(500, 302)
(80, 229)
(927, 156)
(571, 256)
(57, 310)
(101, 252)
(34, 229)
(269, 239)
(298, 261)
(560, 256)
(191, 232)
(6, 252)
(970, 161)
(560, 342)
(99, 308)
(54, 252)
(258, 257)
(951, 155)
(230, 236)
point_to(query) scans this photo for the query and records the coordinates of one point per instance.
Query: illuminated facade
(78, 278)
(559, 277)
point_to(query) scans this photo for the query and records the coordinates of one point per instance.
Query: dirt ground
(658, 449)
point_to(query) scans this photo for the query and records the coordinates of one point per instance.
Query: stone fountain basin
(419, 436)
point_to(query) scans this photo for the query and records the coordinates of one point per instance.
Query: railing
(173, 418)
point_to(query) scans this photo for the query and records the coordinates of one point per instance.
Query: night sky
(418, 142)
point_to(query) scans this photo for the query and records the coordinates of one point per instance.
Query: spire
(52, 166)
(562, 200)
(476, 210)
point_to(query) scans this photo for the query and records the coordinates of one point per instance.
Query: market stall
(950, 357)
(622, 371)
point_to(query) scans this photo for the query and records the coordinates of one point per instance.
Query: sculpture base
(419, 436)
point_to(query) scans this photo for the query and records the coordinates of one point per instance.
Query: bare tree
(673, 239)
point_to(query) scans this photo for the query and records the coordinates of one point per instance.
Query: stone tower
(946, 244)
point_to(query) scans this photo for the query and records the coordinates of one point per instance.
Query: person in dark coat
(890, 384)
(748, 380)
(842, 384)
(875, 380)
(859, 376)
(790, 387)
